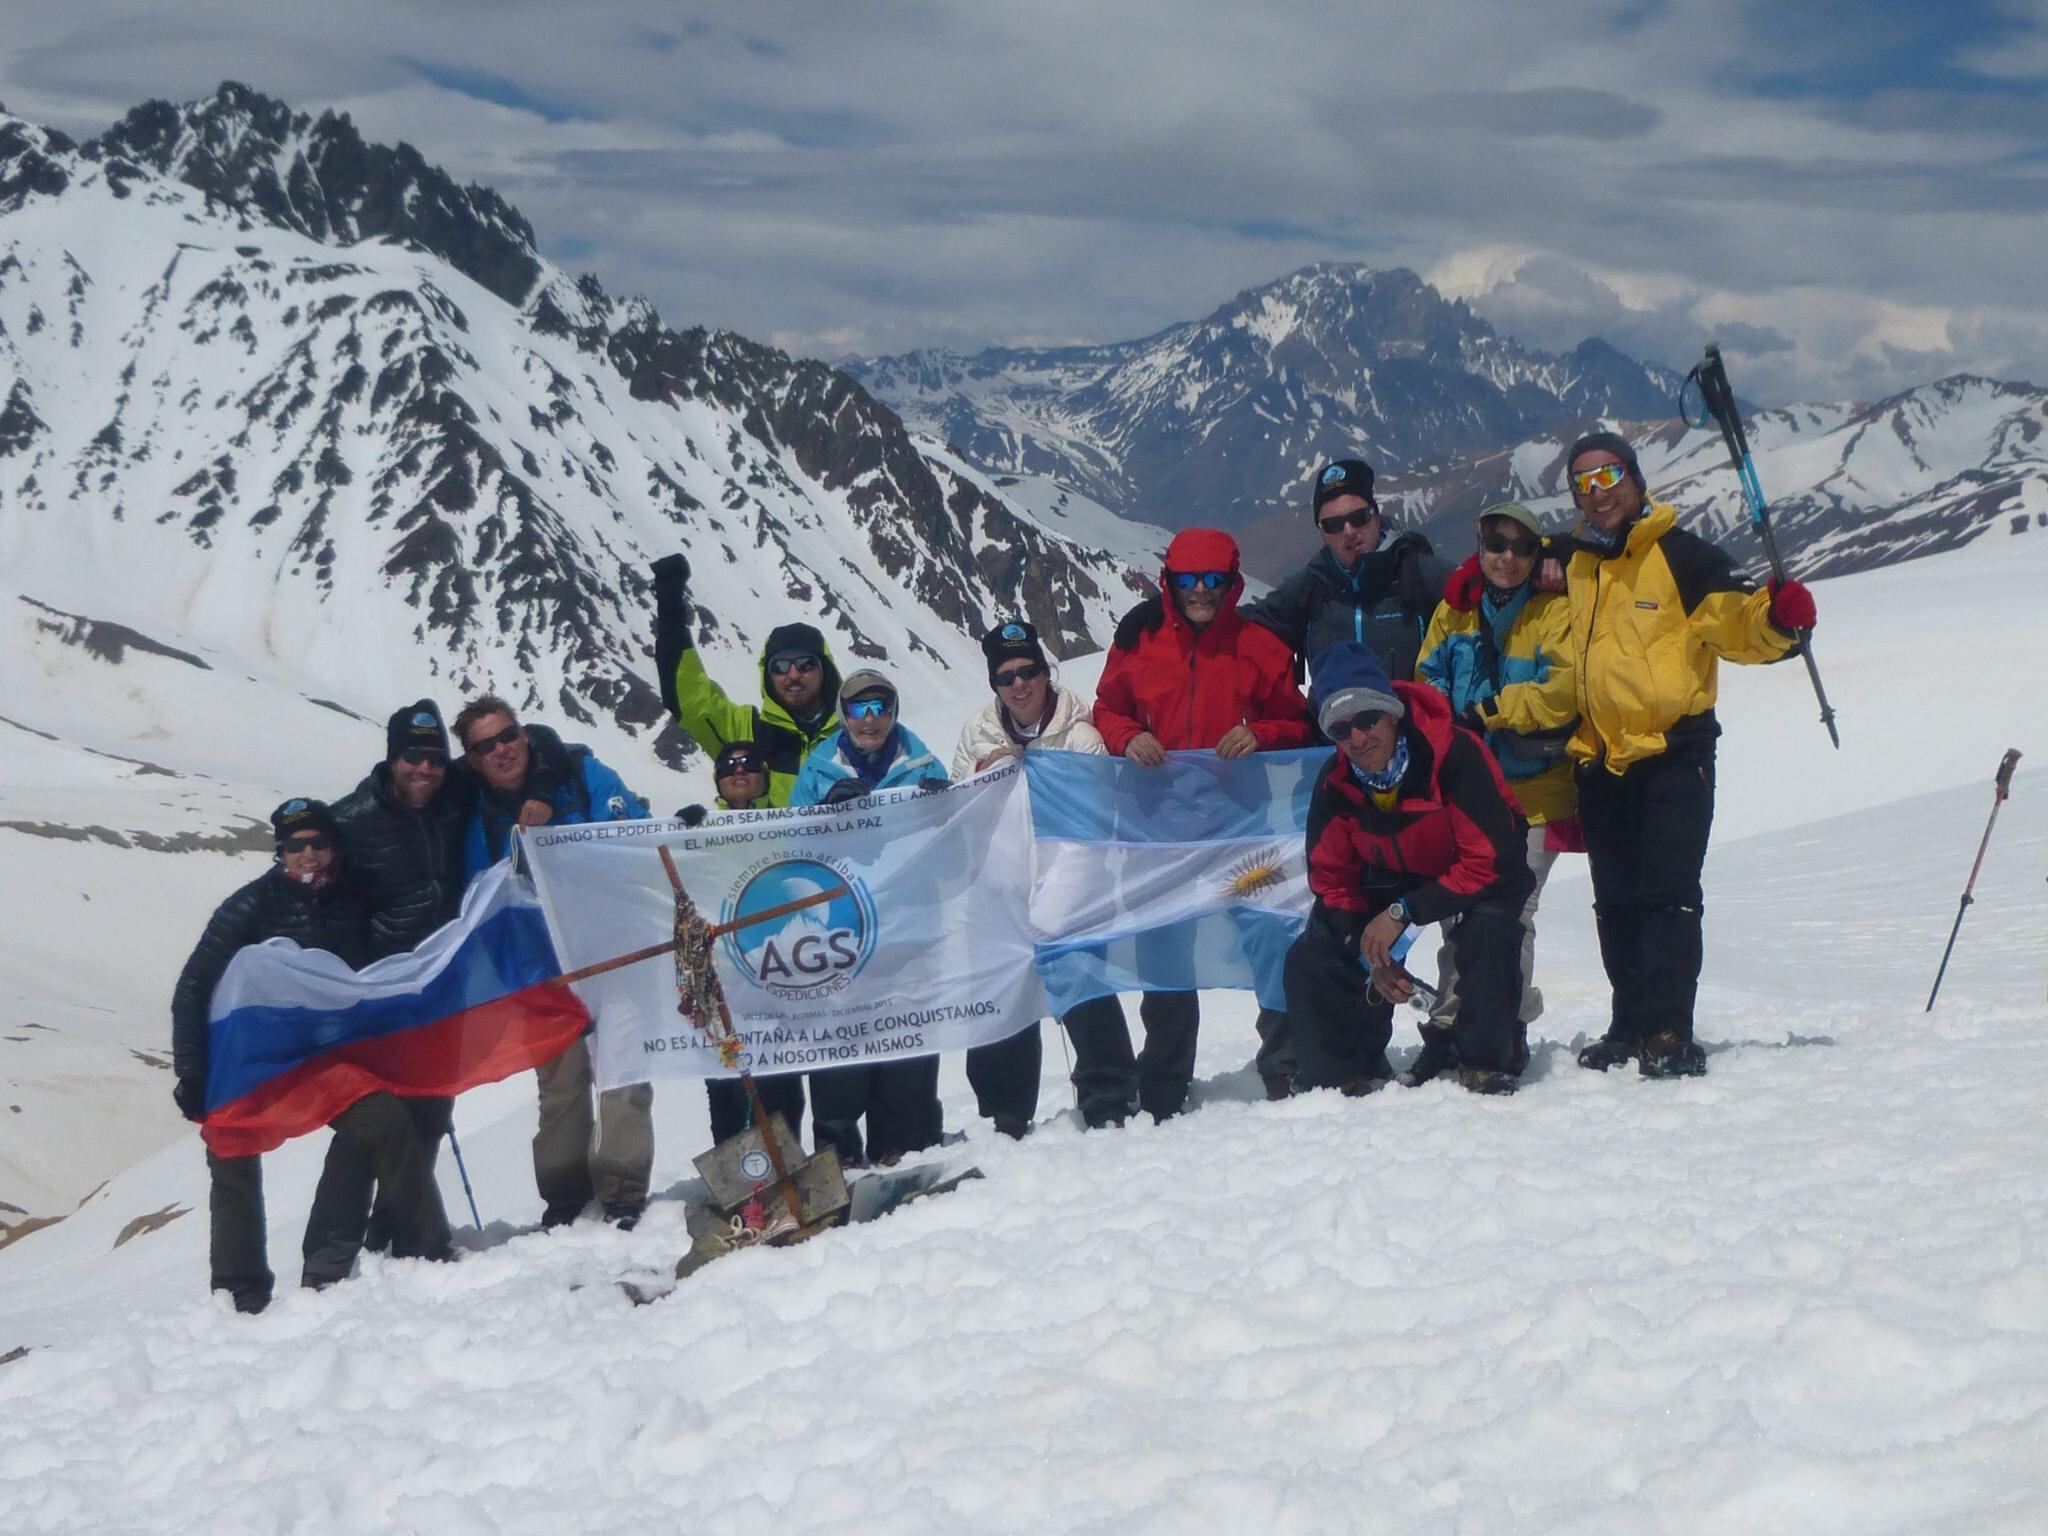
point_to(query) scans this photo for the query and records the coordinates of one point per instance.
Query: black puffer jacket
(407, 863)
(269, 907)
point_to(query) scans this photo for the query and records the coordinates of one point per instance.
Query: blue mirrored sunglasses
(1208, 581)
(867, 709)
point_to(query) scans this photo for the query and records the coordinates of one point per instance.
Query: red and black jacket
(1453, 838)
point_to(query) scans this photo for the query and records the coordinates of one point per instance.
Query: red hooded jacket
(1190, 689)
(1454, 837)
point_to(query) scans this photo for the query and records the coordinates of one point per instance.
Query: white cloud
(891, 173)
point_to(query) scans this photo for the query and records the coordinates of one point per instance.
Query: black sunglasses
(1364, 720)
(319, 840)
(739, 762)
(419, 755)
(1336, 525)
(484, 746)
(788, 664)
(1030, 671)
(1501, 544)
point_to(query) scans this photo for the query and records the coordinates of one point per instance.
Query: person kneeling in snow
(302, 898)
(900, 1097)
(1410, 823)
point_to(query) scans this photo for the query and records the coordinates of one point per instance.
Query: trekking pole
(463, 1169)
(2002, 788)
(1717, 401)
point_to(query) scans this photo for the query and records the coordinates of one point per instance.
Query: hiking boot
(1016, 1127)
(1665, 1054)
(1486, 1080)
(625, 1214)
(1436, 1058)
(1361, 1086)
(1609, 1052)
(560, 1215)
(251, 1302)
(1277, 1088)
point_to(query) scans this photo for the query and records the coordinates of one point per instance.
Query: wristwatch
(1398, 911)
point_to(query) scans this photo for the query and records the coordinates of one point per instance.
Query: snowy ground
(1808, 1293)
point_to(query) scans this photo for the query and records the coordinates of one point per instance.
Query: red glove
(1466, 585)
(1792, 606)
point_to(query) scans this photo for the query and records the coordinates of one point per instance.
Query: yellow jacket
(1649, 624)
(1513, 667)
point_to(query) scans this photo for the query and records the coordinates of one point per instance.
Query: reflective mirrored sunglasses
(1364, 720)
(782, 666)
(1603, 477)
(1208, 581)
(1336, 525)
(484, 746)
(867, 709)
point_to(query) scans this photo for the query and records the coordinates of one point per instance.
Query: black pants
(900, 1099)
(1341, 1026)
(731, 1113)
(1275, 1059)
(1004, 1075)
(239, 1254)
(1163, 1067)
(1105, 1075)
(385, 1144)
(1646, 840)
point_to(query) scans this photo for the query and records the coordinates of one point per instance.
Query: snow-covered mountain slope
(276, 395)
(1220, 421)
(1850, 486)
(1802, 1294)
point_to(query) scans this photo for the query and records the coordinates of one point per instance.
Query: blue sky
(1852, 197)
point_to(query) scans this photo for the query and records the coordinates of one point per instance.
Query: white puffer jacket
(1071, 729)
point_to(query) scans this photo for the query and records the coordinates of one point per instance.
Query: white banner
(928, 949)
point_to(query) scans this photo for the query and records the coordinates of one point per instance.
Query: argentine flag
(1185, 877)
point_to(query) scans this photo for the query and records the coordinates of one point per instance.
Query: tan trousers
(578, 1157)
(1446, 1010)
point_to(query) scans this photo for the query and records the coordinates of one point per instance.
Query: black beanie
(1615, 444)
(416, 725)
(1342, 477)
(298, 815)
(1012, 640)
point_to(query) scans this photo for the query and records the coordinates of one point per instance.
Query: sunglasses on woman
(868, 709)
(1208, 581)
(321, 841)
(1031, 671)
(739, 762)
(1501, 544)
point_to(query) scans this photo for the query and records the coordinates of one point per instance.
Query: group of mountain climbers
(1549, 695)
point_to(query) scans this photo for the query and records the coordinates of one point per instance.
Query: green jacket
(713, 719)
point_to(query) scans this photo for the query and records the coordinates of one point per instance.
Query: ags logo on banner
(808, 954)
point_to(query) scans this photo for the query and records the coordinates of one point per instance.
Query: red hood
(1202, 549)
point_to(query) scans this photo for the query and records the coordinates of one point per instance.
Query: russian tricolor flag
(295, 1036)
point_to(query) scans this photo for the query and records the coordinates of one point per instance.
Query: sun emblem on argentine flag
(1256, 873)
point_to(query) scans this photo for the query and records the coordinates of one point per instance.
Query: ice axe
(1717, 401)
(2002, 787)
